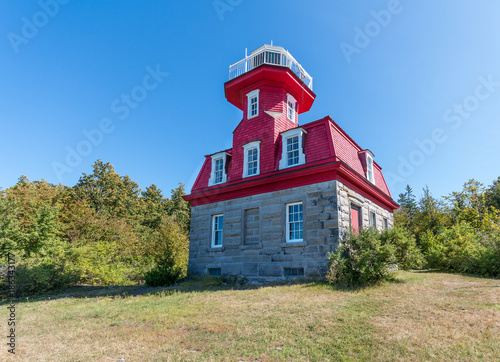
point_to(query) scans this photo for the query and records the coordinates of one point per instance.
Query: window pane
(292, 150)
(217, 229)
(253, 106)
(219, 170)
(252, 156)
(295, 222)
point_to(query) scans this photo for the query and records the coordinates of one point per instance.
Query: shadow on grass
(353, 288)
(450, 272)
(191, 285)
(205, 284)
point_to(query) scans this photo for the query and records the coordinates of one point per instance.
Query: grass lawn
(422, 316)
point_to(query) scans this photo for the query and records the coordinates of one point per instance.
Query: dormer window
(253, 104)
(218, 174)
(290, 107)
(369, 168)
(251, 161)
(219, 170)
(292, 150)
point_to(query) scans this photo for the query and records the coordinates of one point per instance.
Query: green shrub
(361, 259)
(36, 276)
(461, 248)
(169, 250)
(163, 275)
(101, 263)
(406, 252)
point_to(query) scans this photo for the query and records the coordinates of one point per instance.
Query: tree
(470, 206)
(431, 214)
(180, 208)
(154, 206)
(493, 195)
(107, 192)
(405, 216)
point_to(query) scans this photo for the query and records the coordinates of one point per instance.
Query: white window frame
(215, 157)
(288, 240)
(299, 132)
(369, 168)
(214, 231)
(290, 111)
(252, 94)
(386, 224)
(247, 147)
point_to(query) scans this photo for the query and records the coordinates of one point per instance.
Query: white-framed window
(373, 220)
(292, 150)
(386, 224)
(218, 174)
(253, 104)
(217, 229)
(294, 222)
(251, 159)
(219, 170)
(290, 107)
(369, 168)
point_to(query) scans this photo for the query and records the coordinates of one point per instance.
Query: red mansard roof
(330, 155)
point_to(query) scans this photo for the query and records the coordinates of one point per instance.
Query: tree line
(459, 232)
(104, 230)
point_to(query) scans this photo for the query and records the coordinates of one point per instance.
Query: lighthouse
(273, 205)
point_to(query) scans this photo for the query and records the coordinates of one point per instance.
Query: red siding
(317, 142)
(204, 175)
(325, 141)
(346, 150)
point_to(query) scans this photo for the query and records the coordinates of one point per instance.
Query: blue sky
(418, 83)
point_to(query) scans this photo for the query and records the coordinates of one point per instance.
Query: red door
(355, 219)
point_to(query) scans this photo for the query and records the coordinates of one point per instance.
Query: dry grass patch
(424, 316)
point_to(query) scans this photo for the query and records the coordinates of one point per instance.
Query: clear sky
(140, 84)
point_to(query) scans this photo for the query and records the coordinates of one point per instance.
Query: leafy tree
(493, 195)
(154, 206)
(107, 192)
(180, 208)
(37, 208)
(431, 215)
(470, 206)
(10, 232)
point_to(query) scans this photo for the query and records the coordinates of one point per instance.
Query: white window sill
(294, 243)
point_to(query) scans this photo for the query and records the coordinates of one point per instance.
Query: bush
(169, 250)
(406, 252)
(361, 259)
(461, 248)
(35, 277)
(163, 274)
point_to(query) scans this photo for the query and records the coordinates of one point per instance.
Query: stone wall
(254, 233)
(348, 197)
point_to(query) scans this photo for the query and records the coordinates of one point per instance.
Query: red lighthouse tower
(272, 89)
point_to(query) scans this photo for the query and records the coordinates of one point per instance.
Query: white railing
(268, 54)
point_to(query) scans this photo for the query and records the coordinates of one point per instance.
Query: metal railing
(268, 54)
